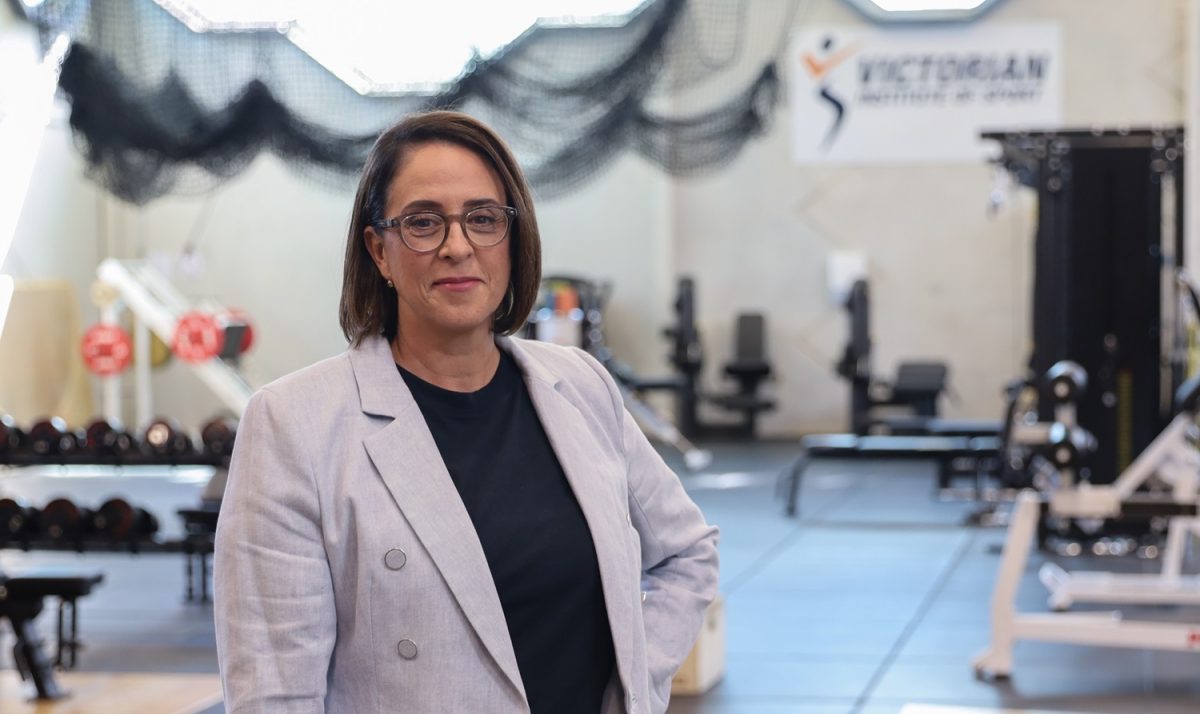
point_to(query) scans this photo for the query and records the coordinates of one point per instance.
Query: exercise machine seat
(916, 425)
(919, 380)
(750, 358)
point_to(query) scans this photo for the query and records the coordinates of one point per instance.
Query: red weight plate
(107, 349)
(197, 338)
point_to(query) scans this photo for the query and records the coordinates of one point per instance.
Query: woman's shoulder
(323, 380)
(556, 363)
(553, 361)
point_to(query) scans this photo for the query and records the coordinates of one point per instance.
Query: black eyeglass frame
(446, 218)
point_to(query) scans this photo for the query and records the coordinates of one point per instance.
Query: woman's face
(457, 288)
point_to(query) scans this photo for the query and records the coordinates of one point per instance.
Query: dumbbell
(63, 521)
(102, 438)
(164, 439)
(217, 435)
(118, 520)
(52, 437)
(12, 438)
(18, 522)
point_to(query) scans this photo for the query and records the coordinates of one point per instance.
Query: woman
(444, 518)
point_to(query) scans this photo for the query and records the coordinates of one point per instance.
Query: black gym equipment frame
(22, 599)
(1106, 294)
(1108, 246)
(749, 369)
(959, 447)
(965, 452)
(916, 389)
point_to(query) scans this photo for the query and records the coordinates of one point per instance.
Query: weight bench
(21, 601)
(948, 451)
(911, 425)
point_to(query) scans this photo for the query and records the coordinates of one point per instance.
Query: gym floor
(874, 598)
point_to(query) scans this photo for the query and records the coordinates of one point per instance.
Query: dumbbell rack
(158, 305)
(196, 545)
(196, 548)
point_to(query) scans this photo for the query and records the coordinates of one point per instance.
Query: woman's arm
(273, 595)
(679, 551)
(679, 561)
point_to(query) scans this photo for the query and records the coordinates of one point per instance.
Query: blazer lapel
(412, 469)
(573, 442)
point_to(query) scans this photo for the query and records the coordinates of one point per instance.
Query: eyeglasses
(425, 231)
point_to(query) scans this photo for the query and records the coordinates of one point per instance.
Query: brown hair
(368, 306)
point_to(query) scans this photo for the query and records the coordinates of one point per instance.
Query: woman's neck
(459, 363)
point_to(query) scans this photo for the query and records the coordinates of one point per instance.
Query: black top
(533, 533)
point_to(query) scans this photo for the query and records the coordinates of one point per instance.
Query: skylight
(388, 47)
(919, 5)
(922, 10)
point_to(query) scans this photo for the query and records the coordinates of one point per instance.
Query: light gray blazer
(349, 579)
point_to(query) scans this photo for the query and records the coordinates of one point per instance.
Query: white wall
(617, 229)
(948, 281)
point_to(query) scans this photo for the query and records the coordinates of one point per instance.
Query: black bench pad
(898, 447)
(50, 583)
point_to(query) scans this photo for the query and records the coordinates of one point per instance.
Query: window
(381, 47)
(922, 10)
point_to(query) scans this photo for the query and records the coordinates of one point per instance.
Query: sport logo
(819, 66)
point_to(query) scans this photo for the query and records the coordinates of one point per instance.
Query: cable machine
(1108, 248)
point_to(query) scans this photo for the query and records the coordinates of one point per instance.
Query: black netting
(158, 108)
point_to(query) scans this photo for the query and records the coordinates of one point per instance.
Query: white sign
(901, 95)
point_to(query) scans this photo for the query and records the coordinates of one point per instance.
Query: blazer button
(395, 559)
(407, 649)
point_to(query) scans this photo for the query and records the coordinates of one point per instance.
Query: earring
(390, 284)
